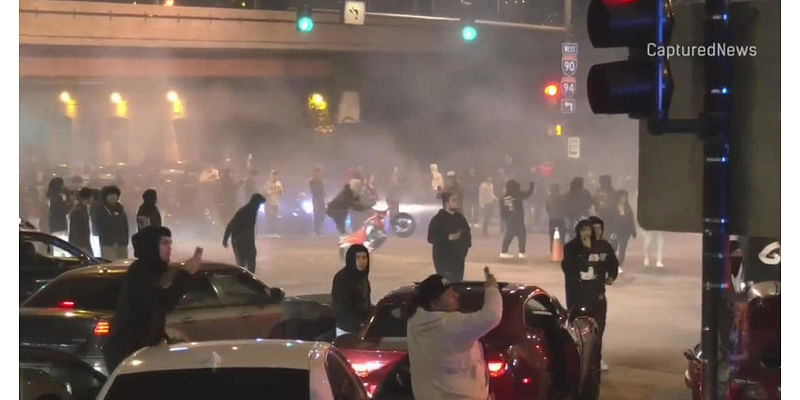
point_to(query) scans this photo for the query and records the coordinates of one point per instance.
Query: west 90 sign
(569, 65)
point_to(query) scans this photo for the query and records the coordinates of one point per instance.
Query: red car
(538, 351)
(755, 360)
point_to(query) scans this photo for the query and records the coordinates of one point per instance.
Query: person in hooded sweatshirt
(351, 291)
(112, 225)
(151, 289)
(513, 213)
(347, 199)
(444, 351)
(148, 214)
(59, 206)
(241, 230)
(589, 265)
(450, 235)
(79, 227)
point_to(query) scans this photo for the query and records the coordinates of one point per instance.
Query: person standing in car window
(444, 351)
(351, 291)
(151, 289)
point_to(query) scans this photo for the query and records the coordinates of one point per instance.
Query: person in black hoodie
(59, 207)
(450, 235)
(513, 213)
(148, 214)
(112, 225)
(151, 289)
(351, 291)
(346, 199)
(603, 246)
(589, 265)
(317, 187)
(241, 231)
(79, 228)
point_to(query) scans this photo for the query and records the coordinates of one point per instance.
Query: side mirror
(276, 295)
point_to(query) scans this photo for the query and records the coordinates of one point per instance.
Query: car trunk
(69, 331)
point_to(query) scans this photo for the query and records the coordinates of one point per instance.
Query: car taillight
(363, 369)
(496, 368)
(69, 304)
(102, 328)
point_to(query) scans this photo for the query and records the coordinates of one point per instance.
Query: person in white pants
(649, 238)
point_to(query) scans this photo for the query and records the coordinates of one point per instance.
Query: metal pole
(716, 205)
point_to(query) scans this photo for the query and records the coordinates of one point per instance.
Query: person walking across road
(450, 235)
(241, 231)
(351, 292)
(317, 187)
(445, 355)
(623, 226)
(589, 265)
(340, 206)
(513, 213)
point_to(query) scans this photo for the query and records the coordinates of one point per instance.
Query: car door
(199, 314)
(247, 302)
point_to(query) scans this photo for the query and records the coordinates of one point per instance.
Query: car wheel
(404, 225)
(590, 387)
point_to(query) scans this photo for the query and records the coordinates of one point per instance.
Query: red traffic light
(551, 90)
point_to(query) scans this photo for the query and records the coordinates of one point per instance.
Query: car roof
(255, 353)
(121, 266)
(507, 289)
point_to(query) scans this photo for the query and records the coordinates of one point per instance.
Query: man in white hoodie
(446, 358)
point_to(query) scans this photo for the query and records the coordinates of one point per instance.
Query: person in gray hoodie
(445, 355)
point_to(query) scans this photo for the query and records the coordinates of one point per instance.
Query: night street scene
(400, 199)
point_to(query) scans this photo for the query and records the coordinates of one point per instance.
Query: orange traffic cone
(558, 247)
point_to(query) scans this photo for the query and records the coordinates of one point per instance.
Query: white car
(235, 370)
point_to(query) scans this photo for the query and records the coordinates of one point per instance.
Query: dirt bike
(372, 233)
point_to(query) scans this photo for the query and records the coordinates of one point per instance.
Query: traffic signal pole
(716, 133)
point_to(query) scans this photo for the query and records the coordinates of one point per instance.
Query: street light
(65, 97)
(468, 31)
(116, 98)
(172, 96)
(551, 90)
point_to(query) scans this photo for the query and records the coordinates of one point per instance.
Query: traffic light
(305, 22)
(551, 90)
(468, 31)
(640, 86)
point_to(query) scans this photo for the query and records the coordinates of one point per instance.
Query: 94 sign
(568, 87)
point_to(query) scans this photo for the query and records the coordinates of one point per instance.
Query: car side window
(238, 289)
(343, 382)
(200, 293)
(389, 321)
(535, 310)
(37, 254)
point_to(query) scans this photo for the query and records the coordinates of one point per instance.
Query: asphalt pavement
(653, 314)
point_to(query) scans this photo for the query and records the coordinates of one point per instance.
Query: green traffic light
(305, 24)
(469, 33)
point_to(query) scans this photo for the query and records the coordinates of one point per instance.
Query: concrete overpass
(87, 39)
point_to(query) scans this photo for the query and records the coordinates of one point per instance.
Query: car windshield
(390, 320)
(213, 384)
(92, 292)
